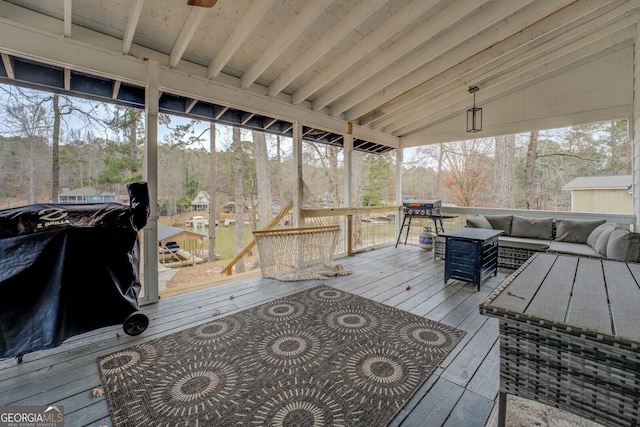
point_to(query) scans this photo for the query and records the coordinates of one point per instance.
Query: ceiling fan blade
(202, 3)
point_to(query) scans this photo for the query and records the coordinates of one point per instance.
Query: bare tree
(239, 196)
(263, 176)
(532, 152)
(504, 172)
(31, 119)
(357, 189)
(465, 170)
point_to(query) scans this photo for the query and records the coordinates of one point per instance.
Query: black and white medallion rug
(320, 357)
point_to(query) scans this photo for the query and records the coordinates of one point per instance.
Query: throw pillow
(575, 230)
(593, 237)
(500, 222)
(478, 222)
(603, 240)
(532, 228)
(624, 245)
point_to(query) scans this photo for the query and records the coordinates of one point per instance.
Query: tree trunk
(239, 196)
(504, 172)
(263, 176)
(133, 141)
(55, 151)
(32, 170)
(532, 153)
(212, 194)
(357, 189)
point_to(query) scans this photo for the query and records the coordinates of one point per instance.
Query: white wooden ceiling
(397, 70)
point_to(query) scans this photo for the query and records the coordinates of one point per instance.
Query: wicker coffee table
(570, 336)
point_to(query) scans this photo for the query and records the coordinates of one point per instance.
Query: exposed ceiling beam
(497, 22)
(391, 26)
(132, 24)
(8, 66)
(240, 32)
(524, 56)
(269, 123)
(189, 28)
(246, 117)
(329, 39)
(455, 12)
(283, 41)
(504, 85)
(68, 13)
(221, 112)
(67, 79)
(116, 89)
(554, 29)
(192, 103)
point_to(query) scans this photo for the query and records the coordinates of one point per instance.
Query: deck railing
(380, 225)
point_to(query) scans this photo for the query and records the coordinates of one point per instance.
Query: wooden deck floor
(460, 393)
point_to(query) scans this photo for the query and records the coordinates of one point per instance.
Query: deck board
(462, 391)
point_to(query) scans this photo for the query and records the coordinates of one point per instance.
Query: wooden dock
(462, 392)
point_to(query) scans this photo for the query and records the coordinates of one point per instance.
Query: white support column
(298, 184)
(399, 159)
(347, 191)
(634, 127)
(150, 174)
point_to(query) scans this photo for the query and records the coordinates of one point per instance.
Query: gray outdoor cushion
(532, 228)
(593, 236)
(500, 222)
(572, 249)
(478, 222)
(523, 243)
(624, 245)
(603, 239)
(575, 230)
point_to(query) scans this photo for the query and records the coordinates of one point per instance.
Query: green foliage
(119, 167)
(378, 176)
(184, 204)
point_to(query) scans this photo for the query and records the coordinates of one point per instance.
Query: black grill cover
(68, 269)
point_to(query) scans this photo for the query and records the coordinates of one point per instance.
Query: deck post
(150, 174)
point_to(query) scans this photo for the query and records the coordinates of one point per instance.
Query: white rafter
(398, 84)
(116, 89)
(552, 64)
(429, 29)
(68, 11)
(8, 66)
(395, 23)
(556, 31)
(67, 79)
(189, 28)
(497, 21)
(337, 32)
(564, 21)
(132, 23)
(240, 32)
(192, 103)
(283, 41)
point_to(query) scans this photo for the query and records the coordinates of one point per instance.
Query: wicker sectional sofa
(525, 236)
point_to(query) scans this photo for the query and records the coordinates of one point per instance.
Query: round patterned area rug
(319, 357)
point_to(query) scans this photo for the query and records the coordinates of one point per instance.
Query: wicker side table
(570, 336)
